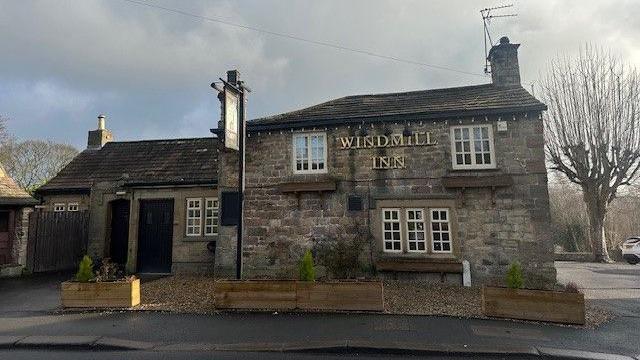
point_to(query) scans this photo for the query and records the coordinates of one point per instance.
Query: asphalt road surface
(614, 286)
(143, 355)
(26, 307)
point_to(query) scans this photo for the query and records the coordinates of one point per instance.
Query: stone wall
(495, 226)
(189, 254)
(83, 201)
(19, 252)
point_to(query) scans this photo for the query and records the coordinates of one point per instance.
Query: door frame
(139, 231)
(128, 227)
(11, 219)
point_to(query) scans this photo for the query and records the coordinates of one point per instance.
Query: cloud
(149, 70)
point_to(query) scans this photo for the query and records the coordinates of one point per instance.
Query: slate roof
(425, 104)
(148, 162)
(11, 193)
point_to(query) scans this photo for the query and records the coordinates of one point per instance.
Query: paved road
(615, 286)
(140, 355)
(26, 304)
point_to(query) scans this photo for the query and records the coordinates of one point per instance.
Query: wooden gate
(57, 240)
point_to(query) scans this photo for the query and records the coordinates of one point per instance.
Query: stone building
(15, 206)
(434, 177)
(152, 204)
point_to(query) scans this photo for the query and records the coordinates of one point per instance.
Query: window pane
(440, 230)
(415, 230)
(194, 217)
(391, 230)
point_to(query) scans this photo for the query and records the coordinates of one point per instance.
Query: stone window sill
(433, 264)
(199, 238)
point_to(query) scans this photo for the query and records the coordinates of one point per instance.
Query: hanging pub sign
(231, 123)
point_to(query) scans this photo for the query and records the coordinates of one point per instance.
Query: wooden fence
(57, 240)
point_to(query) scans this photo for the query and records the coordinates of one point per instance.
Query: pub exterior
(434, 177)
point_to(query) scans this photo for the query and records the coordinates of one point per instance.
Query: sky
(148, 70)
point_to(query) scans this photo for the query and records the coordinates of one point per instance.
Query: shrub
(514, 276)
(307, 273)
(571, 287)
(85, 270)
(108, 271)
(341, 257)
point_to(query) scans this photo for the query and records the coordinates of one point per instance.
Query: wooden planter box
(291, 294)
(116, 294)
(540, 305)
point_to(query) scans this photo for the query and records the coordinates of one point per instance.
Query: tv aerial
(487, 16)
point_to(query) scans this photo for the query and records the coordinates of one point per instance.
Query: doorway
(155, 236)
(6, 229)
(119, 246)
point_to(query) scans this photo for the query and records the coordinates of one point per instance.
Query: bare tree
(593, 130)
(31, 163)
(4, 132)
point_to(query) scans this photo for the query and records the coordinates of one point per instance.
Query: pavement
(29, 324)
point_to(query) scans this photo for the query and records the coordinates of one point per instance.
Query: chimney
(504, 63)
(100, 136)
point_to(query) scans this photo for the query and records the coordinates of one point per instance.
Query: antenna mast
(486, 20)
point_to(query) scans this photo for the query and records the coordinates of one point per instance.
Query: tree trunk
(597, 210)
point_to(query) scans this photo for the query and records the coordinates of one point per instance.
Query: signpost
(233, 97)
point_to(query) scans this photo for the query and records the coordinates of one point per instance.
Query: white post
(466, 273)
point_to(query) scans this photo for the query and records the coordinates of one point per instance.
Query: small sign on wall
(502, 126)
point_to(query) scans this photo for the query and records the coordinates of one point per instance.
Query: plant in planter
(85, 270)
(304, 294)
(307, 272)
(108, 288)
(514, 276)
(530, 304)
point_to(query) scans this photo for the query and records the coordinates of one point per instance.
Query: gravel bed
(194, 294)
(180, 293)
(422, 298)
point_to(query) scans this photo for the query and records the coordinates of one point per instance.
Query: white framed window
(309, 153)
(416, 234)
(58, 207)
(73, 207)
(211, 207)
(440, 231)
(392, 241)
(194, 217)
(472, 147)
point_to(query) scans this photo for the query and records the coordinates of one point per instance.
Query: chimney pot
(101, 122)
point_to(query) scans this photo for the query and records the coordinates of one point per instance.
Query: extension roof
(136, 163)
(475, 100)
(11, 193)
